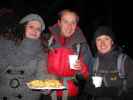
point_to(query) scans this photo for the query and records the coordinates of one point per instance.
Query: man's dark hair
(61, 13)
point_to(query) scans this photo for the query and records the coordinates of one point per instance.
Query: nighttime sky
(91, 12)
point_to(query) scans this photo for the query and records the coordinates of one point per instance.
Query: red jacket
(58, 64)
(58, 60)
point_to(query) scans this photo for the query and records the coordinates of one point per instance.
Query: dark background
(116, 14)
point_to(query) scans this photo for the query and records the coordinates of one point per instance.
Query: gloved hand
(78, 79)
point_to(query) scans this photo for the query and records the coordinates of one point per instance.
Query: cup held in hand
(97, 81)
(72, 60)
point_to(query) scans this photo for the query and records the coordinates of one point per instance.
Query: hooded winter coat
(66, 46)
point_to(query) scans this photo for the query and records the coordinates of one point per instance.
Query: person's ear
(112, 42)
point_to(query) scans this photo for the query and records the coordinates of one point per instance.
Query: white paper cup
(72, 60)
(97, 81)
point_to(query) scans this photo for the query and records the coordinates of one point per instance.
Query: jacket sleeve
(87, 56)
(86, 61)
(41, 68)
(129, 71)
(85, 71)
(42, 71)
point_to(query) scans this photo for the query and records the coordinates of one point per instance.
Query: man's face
(68, 23)
(104, 44)
(33, 30)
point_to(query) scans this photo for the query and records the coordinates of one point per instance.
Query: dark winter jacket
(112, 84)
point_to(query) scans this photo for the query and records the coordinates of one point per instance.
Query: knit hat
(104, 30)
(31, 17)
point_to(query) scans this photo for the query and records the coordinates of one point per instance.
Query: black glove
(78, 79)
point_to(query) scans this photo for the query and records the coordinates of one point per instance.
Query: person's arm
(129, 71)
(42, 71)
(87, 56)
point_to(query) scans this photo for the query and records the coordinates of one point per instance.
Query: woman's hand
(77, 65)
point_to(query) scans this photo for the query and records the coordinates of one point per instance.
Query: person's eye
(107, 39)
(98, 40)
(31, 27)
(65, 21)
(38, 29)
(74, 22)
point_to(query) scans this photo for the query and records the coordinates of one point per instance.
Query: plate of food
(45, 84)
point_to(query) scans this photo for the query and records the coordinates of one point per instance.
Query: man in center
(67, 39)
